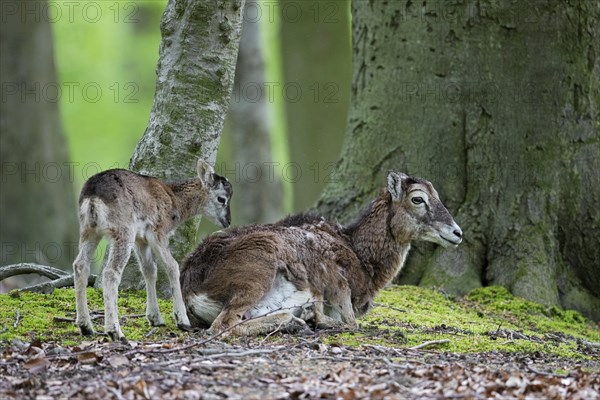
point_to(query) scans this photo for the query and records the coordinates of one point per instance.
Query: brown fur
(342, 268)
(139, 212)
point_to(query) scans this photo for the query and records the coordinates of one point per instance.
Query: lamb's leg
(120, 250)
(242, 299)
(323, 321)
(81, 272)
(230, 320)
(161, 246)
(148, 268)
(283, 322)
(231, 317)
(340, 312)
(347, 310)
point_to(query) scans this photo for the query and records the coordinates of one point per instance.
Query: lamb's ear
(394, 184)
(205, 172)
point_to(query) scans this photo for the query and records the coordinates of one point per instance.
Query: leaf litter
(399, 352)
(287, 367)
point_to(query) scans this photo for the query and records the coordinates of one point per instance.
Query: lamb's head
(217, 204)
(417, 212)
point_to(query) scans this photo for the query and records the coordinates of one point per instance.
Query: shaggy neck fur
(381, 254)
(188, 197)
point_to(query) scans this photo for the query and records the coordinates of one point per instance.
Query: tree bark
(195, 75)
(497, 104)
(37, 203)
(251, 121)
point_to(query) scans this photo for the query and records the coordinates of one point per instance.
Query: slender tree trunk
(37, 203)
(195, 75)
(251, 122)
(497, 103)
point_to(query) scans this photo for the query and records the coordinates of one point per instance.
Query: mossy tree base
(458, 93)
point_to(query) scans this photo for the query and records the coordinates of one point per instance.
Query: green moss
(407, 316)
(36, 313)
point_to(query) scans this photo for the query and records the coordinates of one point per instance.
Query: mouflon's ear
(205, 172)
(394, 184)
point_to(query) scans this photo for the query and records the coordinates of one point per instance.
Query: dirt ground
(284, 367)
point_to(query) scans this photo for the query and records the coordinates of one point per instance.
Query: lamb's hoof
(156, 321)
(115, 337)
(297, 326)
(331, 325)
(86, 330)
(185, 327)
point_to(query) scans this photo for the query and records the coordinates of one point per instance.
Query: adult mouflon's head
(217, 206)
(418, 213)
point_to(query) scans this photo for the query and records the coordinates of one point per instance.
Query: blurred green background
(118, 54)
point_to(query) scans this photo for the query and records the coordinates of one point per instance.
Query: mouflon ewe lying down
(139, 212)
(303, 267)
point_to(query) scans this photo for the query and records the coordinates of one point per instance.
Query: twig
(94, 316)
(63, 319)
(342, 358)
(588, 344)
(151, 332)
(18, 318)
(133, 316)
(429, 343)
(117, 393)
(271, 334)
(241, 353)
(332, 358)
(191, 364)
(201, 365)
(535, 371)
(498, 329)
(383, 349)
(395, 365)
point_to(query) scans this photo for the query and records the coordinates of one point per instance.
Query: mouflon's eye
(221, 199)
(417, 200)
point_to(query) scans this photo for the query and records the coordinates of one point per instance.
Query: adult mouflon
(279, 275)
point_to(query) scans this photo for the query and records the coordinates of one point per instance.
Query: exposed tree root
(59, 277)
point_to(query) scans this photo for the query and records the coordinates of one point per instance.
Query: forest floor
(415, 344)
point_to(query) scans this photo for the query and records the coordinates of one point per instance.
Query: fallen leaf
(117, 361)
(36, 365)
(140, 388)
(89, 357)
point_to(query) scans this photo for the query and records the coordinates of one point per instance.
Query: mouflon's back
(308, 251)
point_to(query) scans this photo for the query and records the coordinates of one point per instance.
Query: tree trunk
(497, 104)
(37, 203)
(195, 74)
(251, 120)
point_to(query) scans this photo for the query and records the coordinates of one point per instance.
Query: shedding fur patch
(283, 297)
